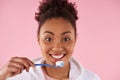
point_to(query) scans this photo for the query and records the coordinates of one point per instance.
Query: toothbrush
(57, 64)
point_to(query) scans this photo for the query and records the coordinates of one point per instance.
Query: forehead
(57, 25)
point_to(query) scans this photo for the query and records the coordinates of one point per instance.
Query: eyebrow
(61, 34)
(49, 32)
(66, 32)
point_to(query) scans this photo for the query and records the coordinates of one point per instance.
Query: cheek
(44, 50)
(70, 47)
(44, 46)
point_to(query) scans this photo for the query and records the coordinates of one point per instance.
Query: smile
(57, 56)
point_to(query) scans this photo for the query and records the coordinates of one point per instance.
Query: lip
(57, 57)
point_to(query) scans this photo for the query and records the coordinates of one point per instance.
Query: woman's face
(57, 40)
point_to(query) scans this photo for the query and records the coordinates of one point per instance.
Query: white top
(77, 72)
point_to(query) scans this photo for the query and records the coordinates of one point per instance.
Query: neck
(58, 73)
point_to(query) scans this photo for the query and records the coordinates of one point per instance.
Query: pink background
(98, 44)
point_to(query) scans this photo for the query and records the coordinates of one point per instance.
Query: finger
(16, 64)
(23, 61)
(30, 62)
(13, 70)
(23, 58)
(11, 67)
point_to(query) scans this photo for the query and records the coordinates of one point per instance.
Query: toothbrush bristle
(60, 63)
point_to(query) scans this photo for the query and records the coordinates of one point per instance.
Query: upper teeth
(58, 56)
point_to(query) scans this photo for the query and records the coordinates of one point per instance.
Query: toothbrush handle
(41, 64)
(46, 65)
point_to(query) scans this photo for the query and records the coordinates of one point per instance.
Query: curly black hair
(55, 9)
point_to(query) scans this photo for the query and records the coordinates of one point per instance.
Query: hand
(15, 66)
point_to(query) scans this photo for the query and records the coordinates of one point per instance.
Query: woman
(56, 37)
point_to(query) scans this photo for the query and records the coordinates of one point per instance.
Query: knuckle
(14, 57)
(21, 60)
(27, 65)
(22, 66)
(24, 58)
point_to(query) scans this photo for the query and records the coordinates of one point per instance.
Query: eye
(66, 39)
(49, 39)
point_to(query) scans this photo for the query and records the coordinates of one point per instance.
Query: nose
(57, 46)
